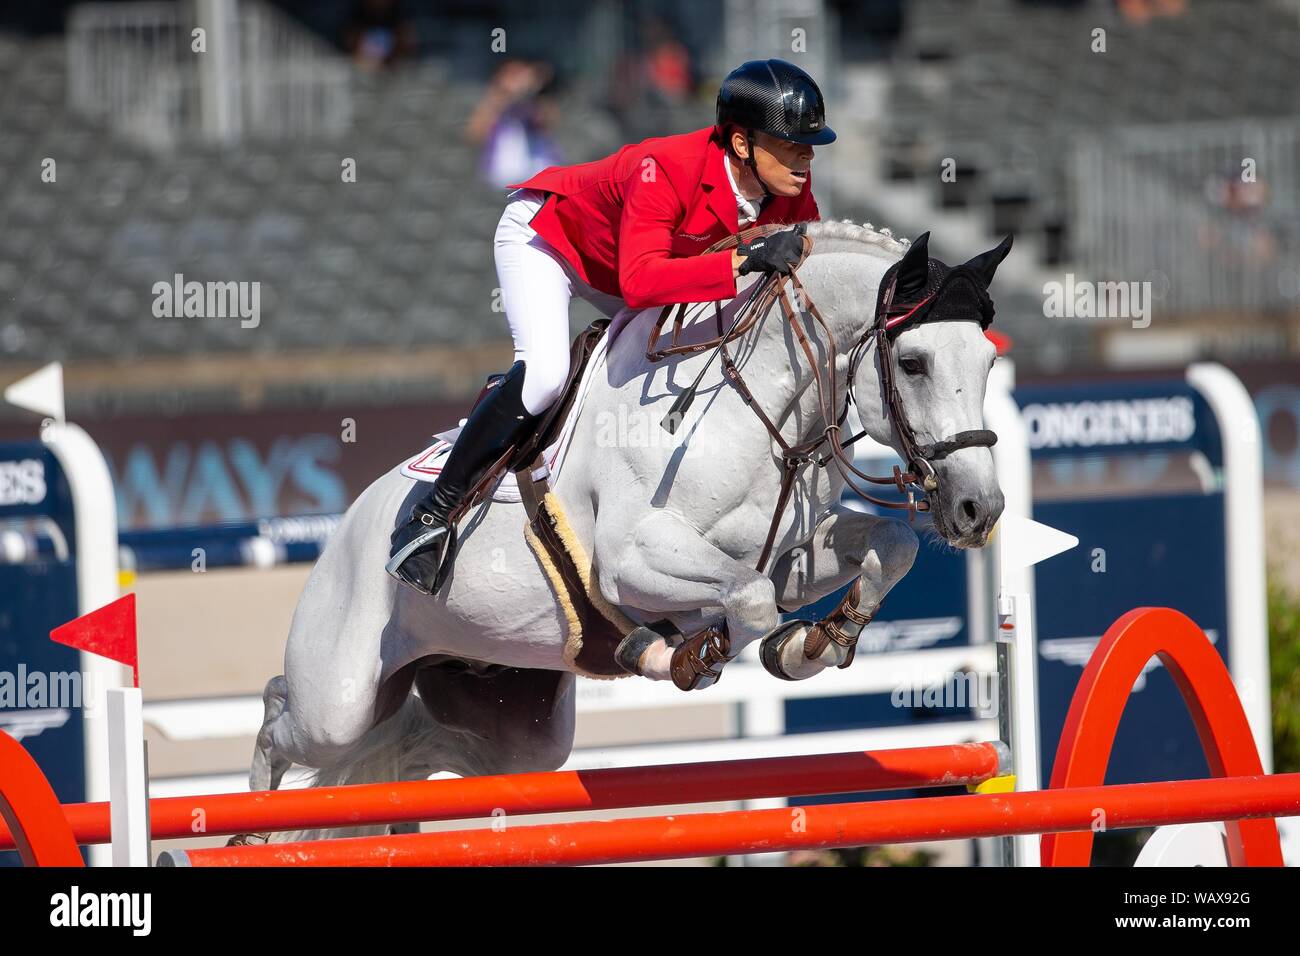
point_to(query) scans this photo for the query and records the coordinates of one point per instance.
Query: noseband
(772, 288)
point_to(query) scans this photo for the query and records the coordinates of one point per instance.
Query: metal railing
(143, 70)
(126, 68)
(1209, 213)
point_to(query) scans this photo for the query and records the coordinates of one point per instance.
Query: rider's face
(783, 165)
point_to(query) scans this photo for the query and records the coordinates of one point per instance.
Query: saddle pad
(427, 465)
(594, 627)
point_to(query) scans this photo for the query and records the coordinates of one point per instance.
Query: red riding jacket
(633, 224)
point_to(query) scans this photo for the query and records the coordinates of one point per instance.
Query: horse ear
(914, 269)
(986, 263)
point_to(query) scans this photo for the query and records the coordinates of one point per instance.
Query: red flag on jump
(108, 632)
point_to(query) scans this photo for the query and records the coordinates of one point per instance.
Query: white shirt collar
(747, 210)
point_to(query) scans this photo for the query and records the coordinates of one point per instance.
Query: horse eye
(912, 366)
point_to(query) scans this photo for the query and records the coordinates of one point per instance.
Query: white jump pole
(1243, 497)
(129, 778)
(1020, 544)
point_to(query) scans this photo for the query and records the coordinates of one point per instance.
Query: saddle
(548, 430)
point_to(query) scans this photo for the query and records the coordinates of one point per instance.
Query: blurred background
(349, 156)
(377, 296)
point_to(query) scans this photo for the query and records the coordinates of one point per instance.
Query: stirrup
(396, 565)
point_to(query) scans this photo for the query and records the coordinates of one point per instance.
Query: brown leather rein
(773, 288)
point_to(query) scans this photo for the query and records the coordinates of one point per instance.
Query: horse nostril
(970, 512)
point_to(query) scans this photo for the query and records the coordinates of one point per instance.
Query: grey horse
(383, 683)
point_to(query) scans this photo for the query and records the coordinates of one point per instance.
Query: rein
(773, 288)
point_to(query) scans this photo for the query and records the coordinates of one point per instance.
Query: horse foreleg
(666, 565)
(846, 545)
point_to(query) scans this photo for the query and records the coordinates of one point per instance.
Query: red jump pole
(561, 791)
(794, 828)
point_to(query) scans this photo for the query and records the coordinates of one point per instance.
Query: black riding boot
(424, 546)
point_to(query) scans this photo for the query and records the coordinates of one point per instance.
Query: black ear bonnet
(939, 292)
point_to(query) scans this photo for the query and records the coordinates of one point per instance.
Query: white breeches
(536, 287)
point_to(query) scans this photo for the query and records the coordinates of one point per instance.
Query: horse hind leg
(470, 723)
(269, 766)
(360, 742)
(510, 721)
(344, 750)
(282, 740)
(381, 755)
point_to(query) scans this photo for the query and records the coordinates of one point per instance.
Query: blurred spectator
(666, 71)
(653, 91)
(1141, 11)
(379, 33)
(1240, 233)
(512, 123)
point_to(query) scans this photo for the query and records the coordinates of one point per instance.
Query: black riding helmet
(773, 97)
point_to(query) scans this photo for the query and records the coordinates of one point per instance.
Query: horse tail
(390, 751)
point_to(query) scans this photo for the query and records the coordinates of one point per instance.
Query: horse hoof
(632, 648)
(775, 646)
(249, 839)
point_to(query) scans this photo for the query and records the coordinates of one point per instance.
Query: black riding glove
(779, 252)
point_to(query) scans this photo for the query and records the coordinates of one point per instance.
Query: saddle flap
(500, 481)
(548, 431)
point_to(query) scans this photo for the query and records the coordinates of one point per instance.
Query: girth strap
(789, 470)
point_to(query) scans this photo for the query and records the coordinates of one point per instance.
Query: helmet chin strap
(752, 163)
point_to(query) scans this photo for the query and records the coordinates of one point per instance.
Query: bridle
(773, 288)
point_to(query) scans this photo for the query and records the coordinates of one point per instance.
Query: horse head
(918, 379)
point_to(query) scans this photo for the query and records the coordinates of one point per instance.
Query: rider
(627, 230)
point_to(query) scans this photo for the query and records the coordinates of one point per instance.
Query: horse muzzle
(965, 515)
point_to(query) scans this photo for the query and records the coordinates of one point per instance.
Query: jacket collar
(721, 199)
